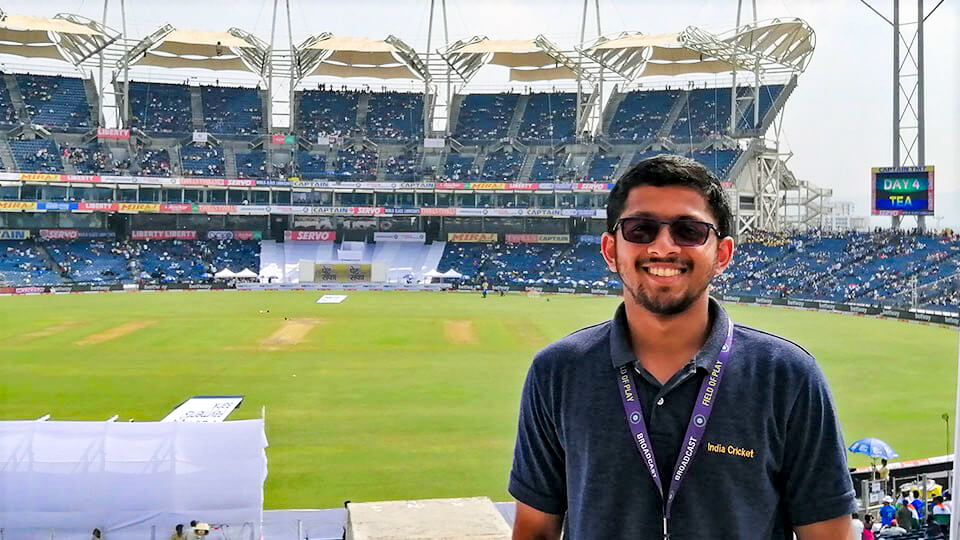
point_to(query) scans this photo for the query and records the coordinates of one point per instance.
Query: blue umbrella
(875, 448)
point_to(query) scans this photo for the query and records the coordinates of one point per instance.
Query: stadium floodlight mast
(908, 75)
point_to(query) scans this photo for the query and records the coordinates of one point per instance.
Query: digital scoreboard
(902, 191)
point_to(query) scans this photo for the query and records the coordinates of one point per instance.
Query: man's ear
(725, 250)
(608, 248)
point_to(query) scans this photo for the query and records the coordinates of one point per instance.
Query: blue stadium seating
(252, 164)
(502, 166)
(38, 155)
(459, 167)
(311, 166)
(485, 117)
(326, 112)
(92, 158)
(58, 103)
(549, 118)
(90, 261)
(8, 113)
(201, 160)
(402, 167)
(547, 168)
(232, 111)
(718, 161)
(602, 167)
(706, 112)
(161, 108)
(768, 94)
(357, 164)
(640, 115)
(22, 264)
(154, 162)
(393, 116)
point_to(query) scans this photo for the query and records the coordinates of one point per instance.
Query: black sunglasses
(685, 232)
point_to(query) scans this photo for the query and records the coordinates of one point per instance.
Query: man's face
(662, 277)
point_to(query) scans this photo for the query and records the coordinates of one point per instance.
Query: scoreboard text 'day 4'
(902, 191)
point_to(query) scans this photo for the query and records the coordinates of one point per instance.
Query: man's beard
(661, 306)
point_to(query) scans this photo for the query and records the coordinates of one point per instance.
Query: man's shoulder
(761, 346)
(577, 345)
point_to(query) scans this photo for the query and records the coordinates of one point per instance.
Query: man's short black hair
(671, 170)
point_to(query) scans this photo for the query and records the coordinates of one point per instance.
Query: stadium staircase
(517, 119)
(625, 163)
(196, 109)
(16, 97)
(51, 264)
(529, 160)
(229, 161)
(616, 98)
(176, 165)
(675, 110)
(454, 113)
(68, 167)
(478, 163)
(6, 156)
(90, 90)
(363, 107)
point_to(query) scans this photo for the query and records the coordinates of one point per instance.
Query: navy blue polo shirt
(772, 456)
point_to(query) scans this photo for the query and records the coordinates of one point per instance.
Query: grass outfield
(401, 395)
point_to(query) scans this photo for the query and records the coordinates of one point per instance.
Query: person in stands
(904, 515)
(856, 526)
(887, 512)
(178, 533)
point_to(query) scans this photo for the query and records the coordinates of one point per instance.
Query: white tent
(246, 273)
(451, 274)
(127, 479)
(224, 274)
(433, 274)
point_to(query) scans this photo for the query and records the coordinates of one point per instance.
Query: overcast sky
(838, 122)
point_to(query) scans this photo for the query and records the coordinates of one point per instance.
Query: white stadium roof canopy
(65, 37)
(339, 56)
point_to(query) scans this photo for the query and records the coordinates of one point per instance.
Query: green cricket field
(402, 395)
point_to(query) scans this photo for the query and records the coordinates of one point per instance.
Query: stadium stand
(8, 113)
(154, 162)
(549, 118)
(402, 167)
(602, 167)
(201, 160)
(22, 263)
(768, 94)
(641, 115)
(546, 168)
(232, 111)
(394, 116)
(161, 108)
(58, 103)
(356, 163)
(502, 165)
(37, 155)
(252, 164)
(704, 113)
(459, 167)
(326, 112)
(311, 166)
(485, 117)
(91, 261)
(93, 159)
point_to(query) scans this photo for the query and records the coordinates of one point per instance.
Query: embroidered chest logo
(732, 450)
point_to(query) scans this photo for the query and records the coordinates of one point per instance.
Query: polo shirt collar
(621, 353)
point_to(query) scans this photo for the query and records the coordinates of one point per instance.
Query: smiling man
(670, 421)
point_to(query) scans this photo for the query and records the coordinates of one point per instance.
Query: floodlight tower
(908, 109)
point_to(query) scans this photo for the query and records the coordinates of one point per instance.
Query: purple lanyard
(691, 440)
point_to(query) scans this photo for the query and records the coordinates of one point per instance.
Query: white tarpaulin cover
(124, 478)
